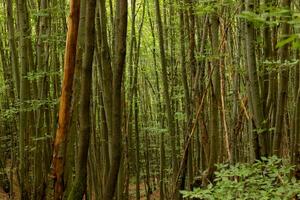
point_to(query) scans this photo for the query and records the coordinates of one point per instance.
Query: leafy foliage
(266, 179)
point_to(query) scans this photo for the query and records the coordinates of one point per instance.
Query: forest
(149, 99)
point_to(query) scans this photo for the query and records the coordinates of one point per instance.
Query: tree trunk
(260, 133)
(170, 114)
(24, 96)
(282, 86)
(214, 132)
(13, 49)
(41, 171)
(119, 65)
(80, 183)
(65, 101)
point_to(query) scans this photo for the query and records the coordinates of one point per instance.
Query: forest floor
(132, 192)
(154, 195)
(3, 195)
(16, 192)
(132, 189)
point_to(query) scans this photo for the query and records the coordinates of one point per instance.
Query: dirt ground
(3, 195)
(132, 188)
(15, 192)
(154, 195)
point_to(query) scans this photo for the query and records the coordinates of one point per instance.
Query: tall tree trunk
(296, 152)
(257, 106)
(137, 133)
(160, 116)
(107, 74)
(265, 82)
(187, 100)
(24, 96)
(41, 165)
(282, 85)
(193, 67)
(214, 134)
(164, 74)
(13, 49)
(80, 183)
(65, 101)
(119, 65)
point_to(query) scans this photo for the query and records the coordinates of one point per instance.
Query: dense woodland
(142, 99)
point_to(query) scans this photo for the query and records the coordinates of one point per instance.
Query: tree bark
(214, 131)
(41, 164)
(80, 183)
(282, 86)
(164, 74)
(24, 96)
(119, 65)
(260, 133)
(13, 49)
(64, 115)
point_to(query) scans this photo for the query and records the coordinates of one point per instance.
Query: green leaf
(253, 17)
(286, 41)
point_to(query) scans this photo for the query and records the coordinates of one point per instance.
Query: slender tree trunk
(215, 100)
(187, 100)
(137, 134)
(80, 183)
(160, 117)
(65, 101)
(170, 114)
(24, 96)
(107, 73)
(13, 49)
(265, 92)
(296, 151)
(193, 67)
(259, 134)
(119, 65)
(41, 171)
(282, 86)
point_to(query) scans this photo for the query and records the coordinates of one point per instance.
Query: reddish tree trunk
(65, 100)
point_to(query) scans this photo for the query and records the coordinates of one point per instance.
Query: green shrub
(265, 179)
